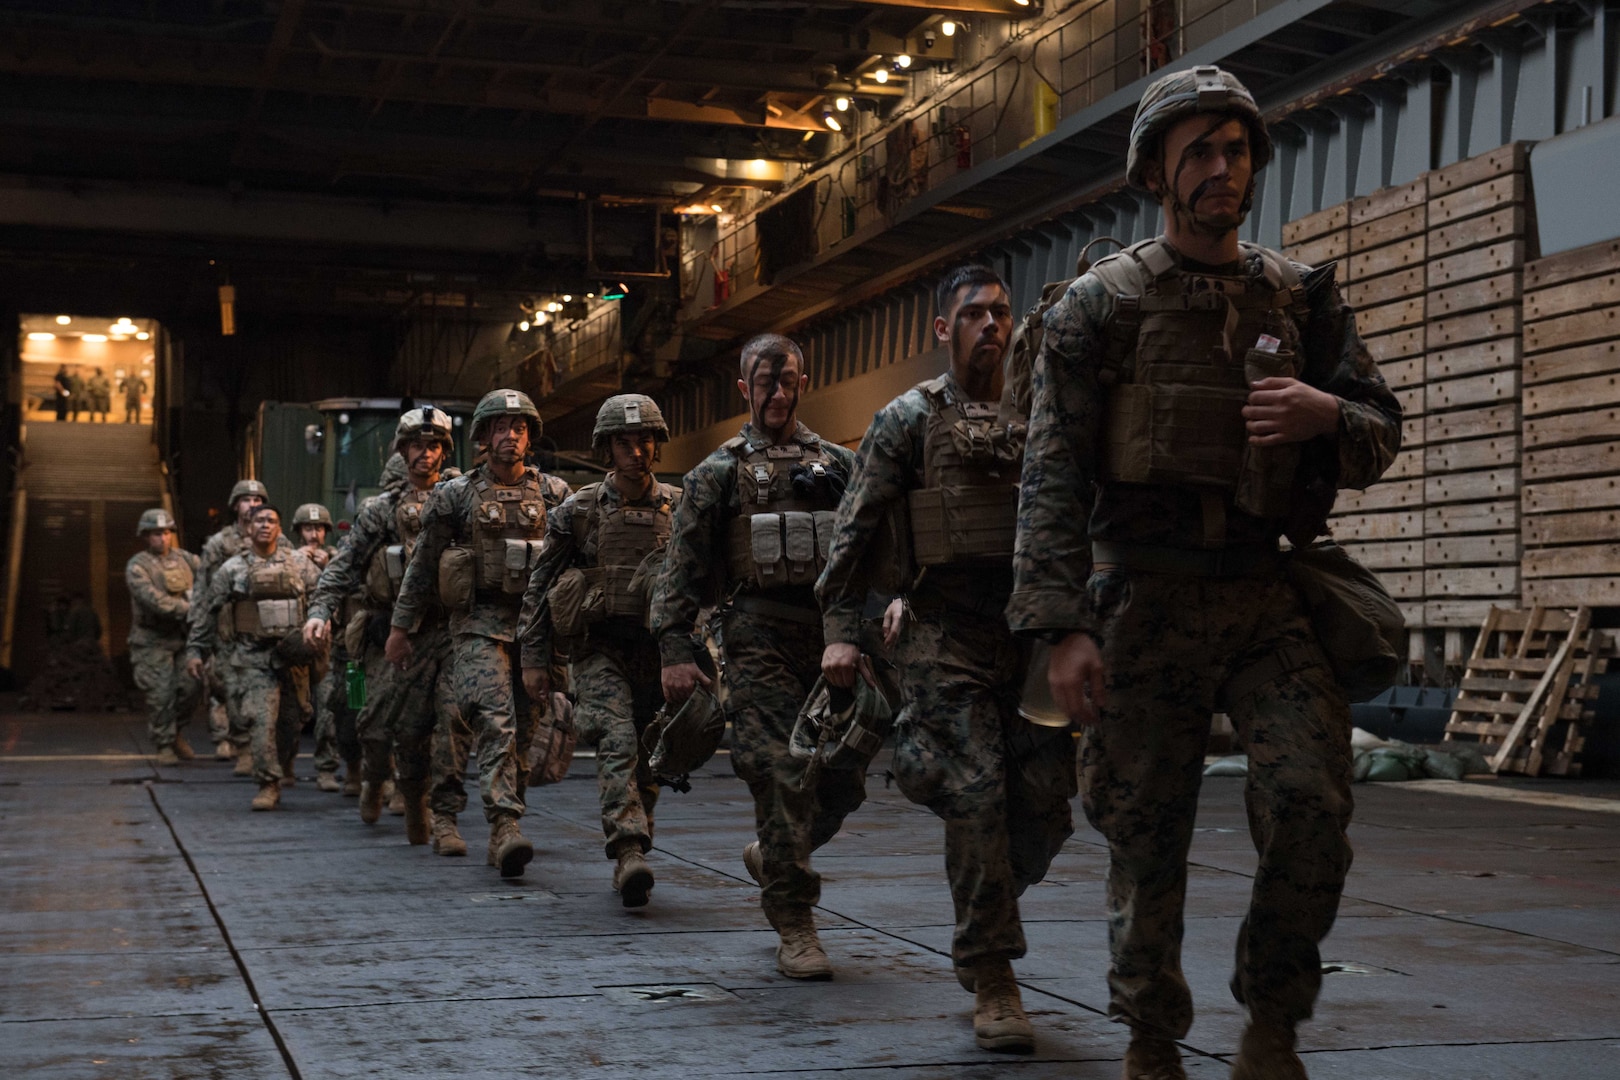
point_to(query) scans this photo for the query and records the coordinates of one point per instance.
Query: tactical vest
(624, 545)
(1182, 350)
(506, 530)
(968, 510)
(780, 537)
(176, 578)
(274, 605)
(386, 571)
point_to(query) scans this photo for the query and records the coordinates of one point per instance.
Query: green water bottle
(355, 682)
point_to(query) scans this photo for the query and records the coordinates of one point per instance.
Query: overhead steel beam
(1006, 8)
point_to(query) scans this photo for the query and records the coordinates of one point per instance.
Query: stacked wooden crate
(1571, 498)
(1477, 234)
(1379, 241)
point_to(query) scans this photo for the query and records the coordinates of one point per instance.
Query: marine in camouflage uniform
(396, 725)
(229, 731)
(492, 521)
(265, 588)
(611, 535)
(311, 527)
(938, 471)
(1171, 568)
(771, 632)
(160, 581)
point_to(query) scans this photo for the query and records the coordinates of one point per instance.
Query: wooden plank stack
(1476, 241)
(1380, 242)
(1571, 498)
(1526, 692)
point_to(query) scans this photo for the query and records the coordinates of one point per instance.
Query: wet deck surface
(151, 926)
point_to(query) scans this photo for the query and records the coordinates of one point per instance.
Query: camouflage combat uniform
(772, 646)
(614, 667)
(486, 684)
(1001, 785)
(160, 592)
(260, 681)
(1191, 607)
(224, 544)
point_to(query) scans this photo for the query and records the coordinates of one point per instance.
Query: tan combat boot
(754, 861)
(999, 1022)
(326, 780)
(351, 781)
(446, 838)
(799, 955)
(393, 799)
(632, 878)
(167, 756)
(509, 851)
(269, 796)
(418, 819)
(223, 750)
(370, 802)
(288, 779)
(1267, 1053)
(182, 749)
(1151, 1057)
(244, 763)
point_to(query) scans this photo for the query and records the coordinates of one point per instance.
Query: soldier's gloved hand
(537, 683)
(194, 668)
(1077, 678)
(840, 660)
(680, 680)
(315, 633)
(397, 649)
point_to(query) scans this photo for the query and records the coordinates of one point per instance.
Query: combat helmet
(505, 403)
(427, 422)
(841, 729)
(1180, 94)
(622, 414)
(247, 487)
(154, 520)
(394, 472)
(680, 741)
(312, 514)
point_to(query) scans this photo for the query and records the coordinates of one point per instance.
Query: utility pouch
(278, 617)
(800, 548)
(354, 633)
(567, 598)
(1266, 478)
(1357, 622)
(518, 558)
(394, 563)
(765, 541)
(826, 522)
(456, 574)
(176, 580)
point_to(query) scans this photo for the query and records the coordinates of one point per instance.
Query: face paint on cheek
(778, 361)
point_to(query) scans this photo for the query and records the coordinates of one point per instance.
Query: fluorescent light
(63, 320)
(41, 335)
(95, 337)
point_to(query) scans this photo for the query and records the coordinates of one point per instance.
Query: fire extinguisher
(964, 148)
(722, 285)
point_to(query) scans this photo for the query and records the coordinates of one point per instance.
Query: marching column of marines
(1099, 509)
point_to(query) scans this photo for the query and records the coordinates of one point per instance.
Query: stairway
(87, 485)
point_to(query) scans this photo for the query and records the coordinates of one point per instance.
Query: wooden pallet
(1526, 692)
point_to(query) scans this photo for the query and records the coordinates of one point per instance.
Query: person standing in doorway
(62, 382)
(133, 387)
(100, 390)
(76, 393)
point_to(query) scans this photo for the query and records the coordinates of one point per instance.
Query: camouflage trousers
(490, 707)
(403, 708)
(618, 690)
(266, 697)
(171, 694)
(219, 716)
(336, 742)
(1001, 785)
(1172, 645)
(238, 729)
(771, 665)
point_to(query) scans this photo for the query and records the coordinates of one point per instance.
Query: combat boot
(446, 838)
(351, 783)
(244, 763)
(223, 750)
(754, 861)
(418, 820)
(799, 955)
(1151, 1057)
(509, 851)
(1267, 1053)
(269, 796)
(288, 779)
(632, 878)
(326, 780)
(393, 799)
(370, 802)
(999, 1022)
(182, 749)
(167, 756)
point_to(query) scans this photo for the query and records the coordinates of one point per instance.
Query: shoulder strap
(585, 502)
(735, 444)
(1280, 275)
(1128, 276)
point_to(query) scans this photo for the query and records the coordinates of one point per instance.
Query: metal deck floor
(151, 926)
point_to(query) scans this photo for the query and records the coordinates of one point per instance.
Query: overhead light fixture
(568, 298)
(94, 337)
(554, 307)
(524, 325)
(717, 208)
(948, 28)
(831, 121)
(41, 335)
(63, 320)
(227, 310)
(541, 318)
(616, 292)
(903, 60)
(142, 336)
(881, 75)
(1022, 3)
(841, 104)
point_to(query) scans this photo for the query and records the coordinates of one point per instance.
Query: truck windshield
(362, 449)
